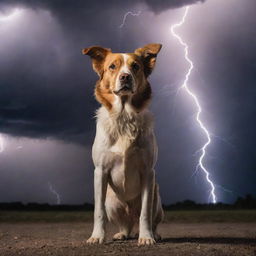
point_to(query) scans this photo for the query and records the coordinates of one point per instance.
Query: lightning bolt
(54, 192)
(126, 15)
(196, 101)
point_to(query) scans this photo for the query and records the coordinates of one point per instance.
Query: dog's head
(123, 75)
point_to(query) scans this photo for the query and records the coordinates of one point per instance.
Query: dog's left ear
(98, 55)
(148, 54)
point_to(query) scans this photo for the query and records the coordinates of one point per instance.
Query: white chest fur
(122, 127)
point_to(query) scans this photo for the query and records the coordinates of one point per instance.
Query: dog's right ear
(98, 55)
(148, 54)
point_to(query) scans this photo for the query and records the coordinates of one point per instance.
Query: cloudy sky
(47, 106)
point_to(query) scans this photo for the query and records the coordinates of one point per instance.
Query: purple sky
(47, 105)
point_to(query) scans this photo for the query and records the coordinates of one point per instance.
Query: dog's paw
(119, 236)
(157, 237)
(146, 241)
(95, 240)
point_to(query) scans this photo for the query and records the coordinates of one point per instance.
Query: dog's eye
(112, 66)
(135, 66)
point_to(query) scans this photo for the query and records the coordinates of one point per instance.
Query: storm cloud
(46, 84)
(42, 76)
(60, 5)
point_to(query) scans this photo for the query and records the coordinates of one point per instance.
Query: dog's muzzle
(126, 84)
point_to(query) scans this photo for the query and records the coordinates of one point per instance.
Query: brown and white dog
(125, 150)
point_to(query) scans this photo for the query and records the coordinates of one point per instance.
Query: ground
(68, 238)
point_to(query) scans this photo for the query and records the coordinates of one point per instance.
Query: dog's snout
(125, 78)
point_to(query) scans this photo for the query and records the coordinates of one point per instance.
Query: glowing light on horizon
(11, 16)
(1, 144)
(196, 101)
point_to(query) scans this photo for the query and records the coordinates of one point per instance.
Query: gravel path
(178, 239)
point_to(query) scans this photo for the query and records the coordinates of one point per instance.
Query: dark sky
(47, 105)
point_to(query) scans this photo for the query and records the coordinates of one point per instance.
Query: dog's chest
(125, 174)
(120, 143)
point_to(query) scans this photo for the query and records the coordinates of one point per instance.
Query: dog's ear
(148, 54)
(98, 55)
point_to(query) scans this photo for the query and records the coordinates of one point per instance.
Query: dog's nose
(125, 78)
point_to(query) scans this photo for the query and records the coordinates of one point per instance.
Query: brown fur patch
(98, 55)
(142, 98)
(104, 95)
(148, 54)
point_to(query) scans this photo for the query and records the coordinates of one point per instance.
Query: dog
(125, 149)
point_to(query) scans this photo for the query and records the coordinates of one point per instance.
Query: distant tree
(249, 202)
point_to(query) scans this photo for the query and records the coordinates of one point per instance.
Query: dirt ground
(178, 239)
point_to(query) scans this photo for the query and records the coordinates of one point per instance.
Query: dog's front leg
(100, 189)
(145, 233)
